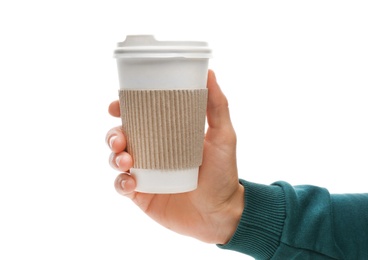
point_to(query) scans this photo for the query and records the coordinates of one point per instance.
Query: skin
(210, 213)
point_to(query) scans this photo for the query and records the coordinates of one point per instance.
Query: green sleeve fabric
(281, 221)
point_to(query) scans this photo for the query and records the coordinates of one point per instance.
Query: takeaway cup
(163, 99)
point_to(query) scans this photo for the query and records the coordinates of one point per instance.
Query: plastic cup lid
(146, 46)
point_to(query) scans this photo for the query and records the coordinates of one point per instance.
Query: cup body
(163, 99)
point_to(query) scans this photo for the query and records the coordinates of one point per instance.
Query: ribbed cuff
(260, 227)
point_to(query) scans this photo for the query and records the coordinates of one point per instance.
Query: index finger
(114, 108)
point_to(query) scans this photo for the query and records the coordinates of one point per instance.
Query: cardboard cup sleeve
(164, 128)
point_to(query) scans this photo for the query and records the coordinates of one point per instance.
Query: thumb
(218, 115)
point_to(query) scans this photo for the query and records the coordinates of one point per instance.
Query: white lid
(146, 46)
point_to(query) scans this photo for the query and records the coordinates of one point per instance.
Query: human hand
(211, 212)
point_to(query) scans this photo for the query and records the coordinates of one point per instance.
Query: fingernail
(111, 140)
(117, 160)
(122, 183)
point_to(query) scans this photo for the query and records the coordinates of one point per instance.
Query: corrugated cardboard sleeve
(164, 128)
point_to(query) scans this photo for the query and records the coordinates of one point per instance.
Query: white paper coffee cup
(163, 99)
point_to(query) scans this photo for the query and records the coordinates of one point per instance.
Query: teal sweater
(280, 221)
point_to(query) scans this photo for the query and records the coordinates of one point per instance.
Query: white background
(295, 74)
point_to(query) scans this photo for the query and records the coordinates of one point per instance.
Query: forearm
(351, 224)
(281, 221)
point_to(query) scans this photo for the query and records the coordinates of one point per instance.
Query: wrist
(232, 215)
(265, 211)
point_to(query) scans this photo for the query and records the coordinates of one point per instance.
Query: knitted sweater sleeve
(281, 221)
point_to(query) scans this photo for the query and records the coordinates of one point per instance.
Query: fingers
(119, 158)
(121, 161)
(125, 185)
(116, 140)
(114, 108)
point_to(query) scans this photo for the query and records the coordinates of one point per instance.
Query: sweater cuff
(260, 227)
